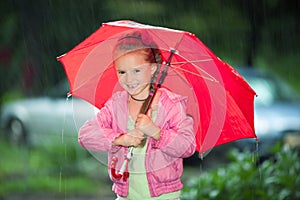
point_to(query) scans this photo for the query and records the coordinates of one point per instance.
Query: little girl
(162, 137)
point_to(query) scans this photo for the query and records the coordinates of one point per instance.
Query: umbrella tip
(201, 155)
(69, 94)
(59, 57)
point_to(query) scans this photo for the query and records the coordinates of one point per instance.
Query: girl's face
(134, 73)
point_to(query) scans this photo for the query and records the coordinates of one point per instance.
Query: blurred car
(46, 119)
(277, 112)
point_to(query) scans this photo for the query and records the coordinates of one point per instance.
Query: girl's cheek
(121, 78)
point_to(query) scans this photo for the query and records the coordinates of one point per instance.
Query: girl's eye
(137, 70)
(121, 72)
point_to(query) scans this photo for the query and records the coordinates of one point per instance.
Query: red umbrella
(220, 100)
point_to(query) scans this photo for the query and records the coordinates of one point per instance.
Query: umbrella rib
(181, 77)
(194, 61)
(208, 77)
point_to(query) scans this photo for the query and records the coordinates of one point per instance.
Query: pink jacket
(163, 157)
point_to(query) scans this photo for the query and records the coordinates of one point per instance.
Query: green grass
(53, 169)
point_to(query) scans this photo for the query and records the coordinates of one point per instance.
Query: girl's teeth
(132, 86)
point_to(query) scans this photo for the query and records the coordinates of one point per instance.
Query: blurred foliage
(276, 178)
(55, 169)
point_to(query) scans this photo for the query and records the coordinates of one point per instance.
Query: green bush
(276, 178)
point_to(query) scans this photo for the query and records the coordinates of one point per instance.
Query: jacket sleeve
(97, 134)
(177, 137)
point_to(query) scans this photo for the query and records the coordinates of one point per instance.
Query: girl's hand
(145, 124)
(132, 138)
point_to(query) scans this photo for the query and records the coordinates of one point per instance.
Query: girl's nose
(129, 77)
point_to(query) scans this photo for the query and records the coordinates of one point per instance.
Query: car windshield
(270, 89)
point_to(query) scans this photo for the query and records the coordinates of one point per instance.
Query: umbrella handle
(124, 168)
(122, 172)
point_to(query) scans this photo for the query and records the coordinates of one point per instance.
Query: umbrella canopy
(220, 100)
